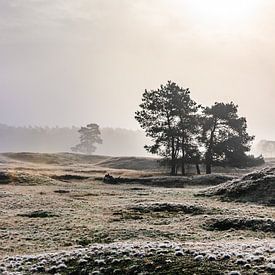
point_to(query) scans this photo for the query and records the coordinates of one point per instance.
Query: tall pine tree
(224, 134)
(168, 116)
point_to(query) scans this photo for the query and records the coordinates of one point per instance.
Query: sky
(71, 62)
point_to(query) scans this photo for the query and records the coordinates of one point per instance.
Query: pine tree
(89, 136)
(168, 116)
(224, 134)
(186, 110)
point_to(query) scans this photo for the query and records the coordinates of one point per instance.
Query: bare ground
(79, 225)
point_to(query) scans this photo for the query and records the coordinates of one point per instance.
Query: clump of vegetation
(110, 179)
(171, 208)
(227, 223)
(69, 177)
(83, 241)
(62, 191)
(5, 178)
(39, 214)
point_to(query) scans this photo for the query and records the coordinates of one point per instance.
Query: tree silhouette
(224, 134)
(188, 124)
(168, 116)
(89, 136)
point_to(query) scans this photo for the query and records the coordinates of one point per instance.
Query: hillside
(130, 163)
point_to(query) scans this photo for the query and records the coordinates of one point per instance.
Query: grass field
(57, 216)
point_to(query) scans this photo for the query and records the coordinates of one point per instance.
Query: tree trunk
(183, 167)
(208, 168)
(173, 158)
(198, 169)
(183, 172)
(208, 162)
(173, 170)
(209, 154)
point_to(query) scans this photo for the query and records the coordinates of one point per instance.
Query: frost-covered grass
(83, 225)
(149, 258)
(257, 187)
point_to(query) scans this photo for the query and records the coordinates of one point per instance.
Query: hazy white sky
(70, 62)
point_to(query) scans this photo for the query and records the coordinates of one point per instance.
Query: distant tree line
(184, 132)
(117, 141)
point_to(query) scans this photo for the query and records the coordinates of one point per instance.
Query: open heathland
(58, 216)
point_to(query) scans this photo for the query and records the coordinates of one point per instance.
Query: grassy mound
(175, 182)
(237, 223)
(213, 179)
(131, 163)
(55, 159)
(23, 178)
(168, 207)
(38, 214)
(258, 187)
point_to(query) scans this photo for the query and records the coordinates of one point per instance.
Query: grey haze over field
(71, 62)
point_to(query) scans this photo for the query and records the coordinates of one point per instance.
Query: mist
(116, 142)
(137, 137)
(67, 62)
